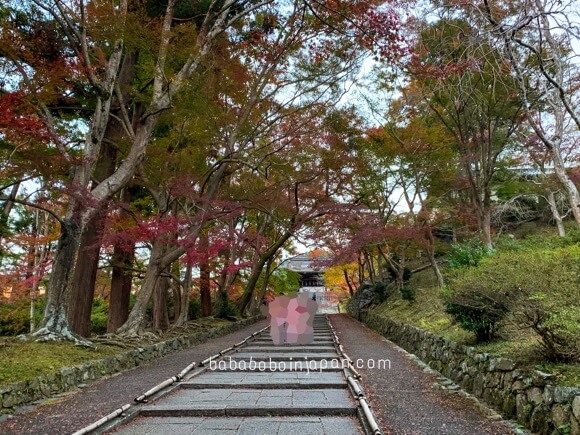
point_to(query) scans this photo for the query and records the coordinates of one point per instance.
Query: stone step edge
(266, 386)
(313, 357)
(287, 370)
(314, 351)
(306, 411)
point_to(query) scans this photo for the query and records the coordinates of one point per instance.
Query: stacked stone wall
(527, 396)
(67, 378)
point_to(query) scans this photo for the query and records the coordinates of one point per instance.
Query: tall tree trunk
(204, 279)
(433, 260)
(255, 303)
(347, 280)
(7, 208)
(205, 289)
(361, 266)
(121, 284)
(556, 213)
(184, 311)
(136, 318)
(85, 276)
(160, 314)
(569, 186)
(40, 256)
(401, 271)
(482, 205)
(486, 228)
(55, 322)
(121, 279)
(370, 267)
(87, 263)
(176, 288)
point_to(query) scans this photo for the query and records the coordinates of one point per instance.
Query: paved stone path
(262, 388)
(404, 397)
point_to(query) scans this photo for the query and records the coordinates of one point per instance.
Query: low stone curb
(67, 378)
(522, 394)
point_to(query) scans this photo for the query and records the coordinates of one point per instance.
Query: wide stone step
(260, 380)
(281, 356)
(315, 337)
(269, 343)
(288, 348)
(287, 365)
(253, 402)
(268, 339)
(242, 425)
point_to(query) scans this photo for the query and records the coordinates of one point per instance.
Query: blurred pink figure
(291, 319)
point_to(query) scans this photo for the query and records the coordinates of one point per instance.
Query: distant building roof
(303, 263)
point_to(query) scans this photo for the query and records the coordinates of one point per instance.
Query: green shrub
(99, 323)
(224, 308)
(475, 311)
(538, 288)
(15, 317)
(408, 293)
(99, 316)
(380, 291)
(194, 309)
(466, 254)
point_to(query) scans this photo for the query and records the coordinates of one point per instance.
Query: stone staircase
(259, 388)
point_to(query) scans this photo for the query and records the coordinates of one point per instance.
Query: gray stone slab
(277, 393)
(340, 425)
(222, 423)
(253, 426)
(291, 428)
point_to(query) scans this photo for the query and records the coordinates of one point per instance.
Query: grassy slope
(427, 312)
(24, 360)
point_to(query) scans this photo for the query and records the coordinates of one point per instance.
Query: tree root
(45, 335)
(137, 337)
(127, 340)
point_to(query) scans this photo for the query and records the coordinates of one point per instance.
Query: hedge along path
(258, 387)
(71, 411)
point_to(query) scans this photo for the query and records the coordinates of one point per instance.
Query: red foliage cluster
(380, 32)
(19, 124)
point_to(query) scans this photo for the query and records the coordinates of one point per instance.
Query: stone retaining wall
(525, 395)
(67, 378)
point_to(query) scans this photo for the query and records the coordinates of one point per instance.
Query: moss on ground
(21, 360)
(427, 312)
